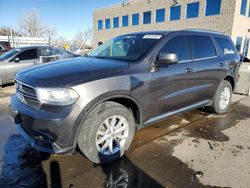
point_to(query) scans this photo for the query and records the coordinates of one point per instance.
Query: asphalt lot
(195, 149)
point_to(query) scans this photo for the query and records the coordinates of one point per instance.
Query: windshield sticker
(152, 36)
(128, 37)
(228, 51)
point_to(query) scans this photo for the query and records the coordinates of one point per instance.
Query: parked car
(4, 47)
(130, 82)
(18, 58)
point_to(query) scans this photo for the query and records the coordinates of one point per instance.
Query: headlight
(57, 96)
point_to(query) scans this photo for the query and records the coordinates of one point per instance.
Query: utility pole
(246, 44)
(12, 37)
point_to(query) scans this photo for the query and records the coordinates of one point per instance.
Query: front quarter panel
(92, 92)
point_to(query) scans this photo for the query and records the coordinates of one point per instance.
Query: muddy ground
(195, 149)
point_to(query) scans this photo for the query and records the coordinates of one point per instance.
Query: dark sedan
(18, 58)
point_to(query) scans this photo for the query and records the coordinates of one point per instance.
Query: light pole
(246, 44)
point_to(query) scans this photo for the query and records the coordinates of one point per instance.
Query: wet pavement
(195, 149)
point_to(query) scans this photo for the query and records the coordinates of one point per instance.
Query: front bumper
(49, 129)
(41, 143)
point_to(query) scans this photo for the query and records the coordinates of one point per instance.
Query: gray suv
(99, 101)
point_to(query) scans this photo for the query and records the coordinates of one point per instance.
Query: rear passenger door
(208, 67)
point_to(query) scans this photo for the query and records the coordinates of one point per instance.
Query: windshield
(129, 48)
(9, 54)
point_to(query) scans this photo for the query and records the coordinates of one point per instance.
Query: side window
(67, 54)
(203, 47)
(226, 46)
(56, 51)
(179, 46)
(27, 55)
(46, 51)
(1, 48)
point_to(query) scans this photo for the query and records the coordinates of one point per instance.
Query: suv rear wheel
(107, 132)
(222, 98)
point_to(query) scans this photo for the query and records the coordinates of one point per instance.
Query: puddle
(21, 165)
(211, 127)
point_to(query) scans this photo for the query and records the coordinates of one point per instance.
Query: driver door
(171, 84)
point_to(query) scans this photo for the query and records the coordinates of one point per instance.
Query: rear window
(226, 46)
(45, 51)
(203, 47)
(56, 51)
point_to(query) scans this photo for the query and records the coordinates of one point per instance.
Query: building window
(192, 10)
(238, 44)
(175, 13)
(99, 25)
(135, 19)
(125, 21)
(160, 15)
(107, 23)
(213, 7)
(147, 17)
(243, 8)
(116, 22)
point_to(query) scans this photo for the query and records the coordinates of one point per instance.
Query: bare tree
(84, 38)
(6, 31)
(30, 25)
(88, 33)
(80, 40)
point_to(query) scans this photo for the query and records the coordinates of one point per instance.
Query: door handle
(189, 70)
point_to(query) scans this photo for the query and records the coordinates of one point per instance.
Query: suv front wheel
(222, 98)
(107, 132)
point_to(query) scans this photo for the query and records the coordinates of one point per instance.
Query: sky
(66, 16)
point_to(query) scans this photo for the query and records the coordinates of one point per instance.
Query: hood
(69, 72)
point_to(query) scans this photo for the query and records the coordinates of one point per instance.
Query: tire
(217, 107)
(97, 122)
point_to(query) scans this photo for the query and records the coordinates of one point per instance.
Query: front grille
(27, 94)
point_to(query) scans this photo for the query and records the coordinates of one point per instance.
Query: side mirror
(16, 60)
(167, 58)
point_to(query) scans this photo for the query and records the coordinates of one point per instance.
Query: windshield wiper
(101, 57)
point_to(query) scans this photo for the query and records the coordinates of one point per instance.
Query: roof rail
(203, 30)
